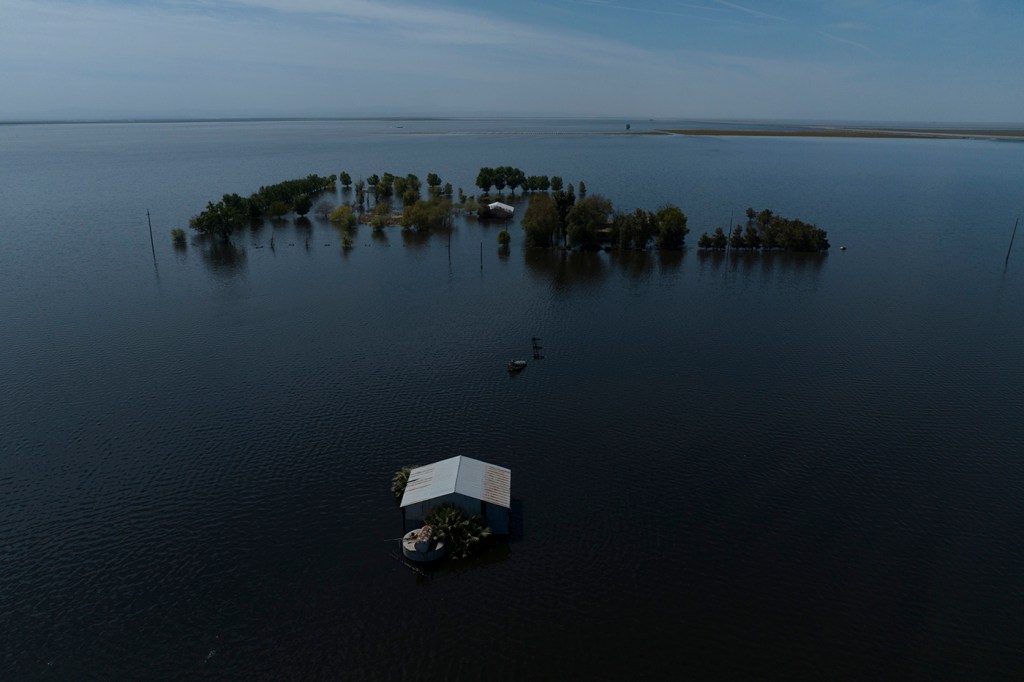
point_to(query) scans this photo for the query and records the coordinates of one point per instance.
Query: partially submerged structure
(496, 211)
(473, 486)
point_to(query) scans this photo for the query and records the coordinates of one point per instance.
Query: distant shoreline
(898, 133)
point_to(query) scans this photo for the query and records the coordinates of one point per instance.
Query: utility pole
(153, 246)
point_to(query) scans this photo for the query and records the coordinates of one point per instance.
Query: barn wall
(497, 518)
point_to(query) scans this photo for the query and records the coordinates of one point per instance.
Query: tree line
(766, 231)
(591, 221)
(513, 178)
(232, 211)
(566, 216)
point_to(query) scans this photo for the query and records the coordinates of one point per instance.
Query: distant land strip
(909, 133)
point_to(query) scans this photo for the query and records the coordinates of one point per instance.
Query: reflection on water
(565, 268)
(303, 225)
(415, 238)
(380, 237)
(637, 265)
(766, 260)
(256, 225)
(709, 257)
(670, 261)
(223, 258)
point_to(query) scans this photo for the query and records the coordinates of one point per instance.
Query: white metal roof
(504, 207)
(463, 475)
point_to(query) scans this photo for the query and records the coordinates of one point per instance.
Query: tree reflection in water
(223, 258)
(637, 265)
(566, 269)
(415, 238)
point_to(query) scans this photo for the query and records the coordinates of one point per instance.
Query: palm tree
(399, 481)
(460, 533)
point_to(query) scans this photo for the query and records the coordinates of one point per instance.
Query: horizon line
(482, 117)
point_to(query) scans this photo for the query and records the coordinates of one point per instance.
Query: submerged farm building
(497, 211)
(473, 486)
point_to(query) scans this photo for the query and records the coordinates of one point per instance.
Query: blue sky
(869, 60)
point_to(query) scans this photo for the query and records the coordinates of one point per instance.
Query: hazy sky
(927, 60)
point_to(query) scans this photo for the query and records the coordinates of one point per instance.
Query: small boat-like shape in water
(421, 545)
(516, 365)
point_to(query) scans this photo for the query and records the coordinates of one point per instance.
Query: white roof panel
(504, 207)
(430, 481)
(463, 475)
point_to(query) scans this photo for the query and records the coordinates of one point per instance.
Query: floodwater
(744, 465)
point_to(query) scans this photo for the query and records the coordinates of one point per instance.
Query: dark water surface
(755, 466)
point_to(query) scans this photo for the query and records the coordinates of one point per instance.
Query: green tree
(500, 178)
(424, 216)
(751, 237)
(346, 179)
(343, 217)
(515, 178)
(399, 186)
(736, 240)
(633, 230)
(585, 220)
(563, 204)
(556, 183)
(277, 209)
(178, 236)
(461, 534)
(385, 186)
(484, 179)
(541, 221)
(360, 194)
(672, 229)
(302, 204)
(718, 239)
(583, 190)
(434, 182)
(447, 191)
(768, 230)
(413, 182)
(504, 237)
(399, 481)
(218, 220)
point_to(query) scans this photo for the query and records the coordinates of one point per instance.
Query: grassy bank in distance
(901, 133)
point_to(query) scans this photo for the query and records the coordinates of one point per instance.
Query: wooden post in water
(151, 244)
(1007, 261)
(481, 256)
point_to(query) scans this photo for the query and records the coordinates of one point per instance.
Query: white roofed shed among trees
(473, 486)
(499, 208)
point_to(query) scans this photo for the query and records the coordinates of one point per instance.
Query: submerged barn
(497, 211)
(473, 486)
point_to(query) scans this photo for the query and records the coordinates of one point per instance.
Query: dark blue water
(755, 466)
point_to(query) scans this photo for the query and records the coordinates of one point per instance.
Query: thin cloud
(847, 41)
(849, 26)
(754, 12)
